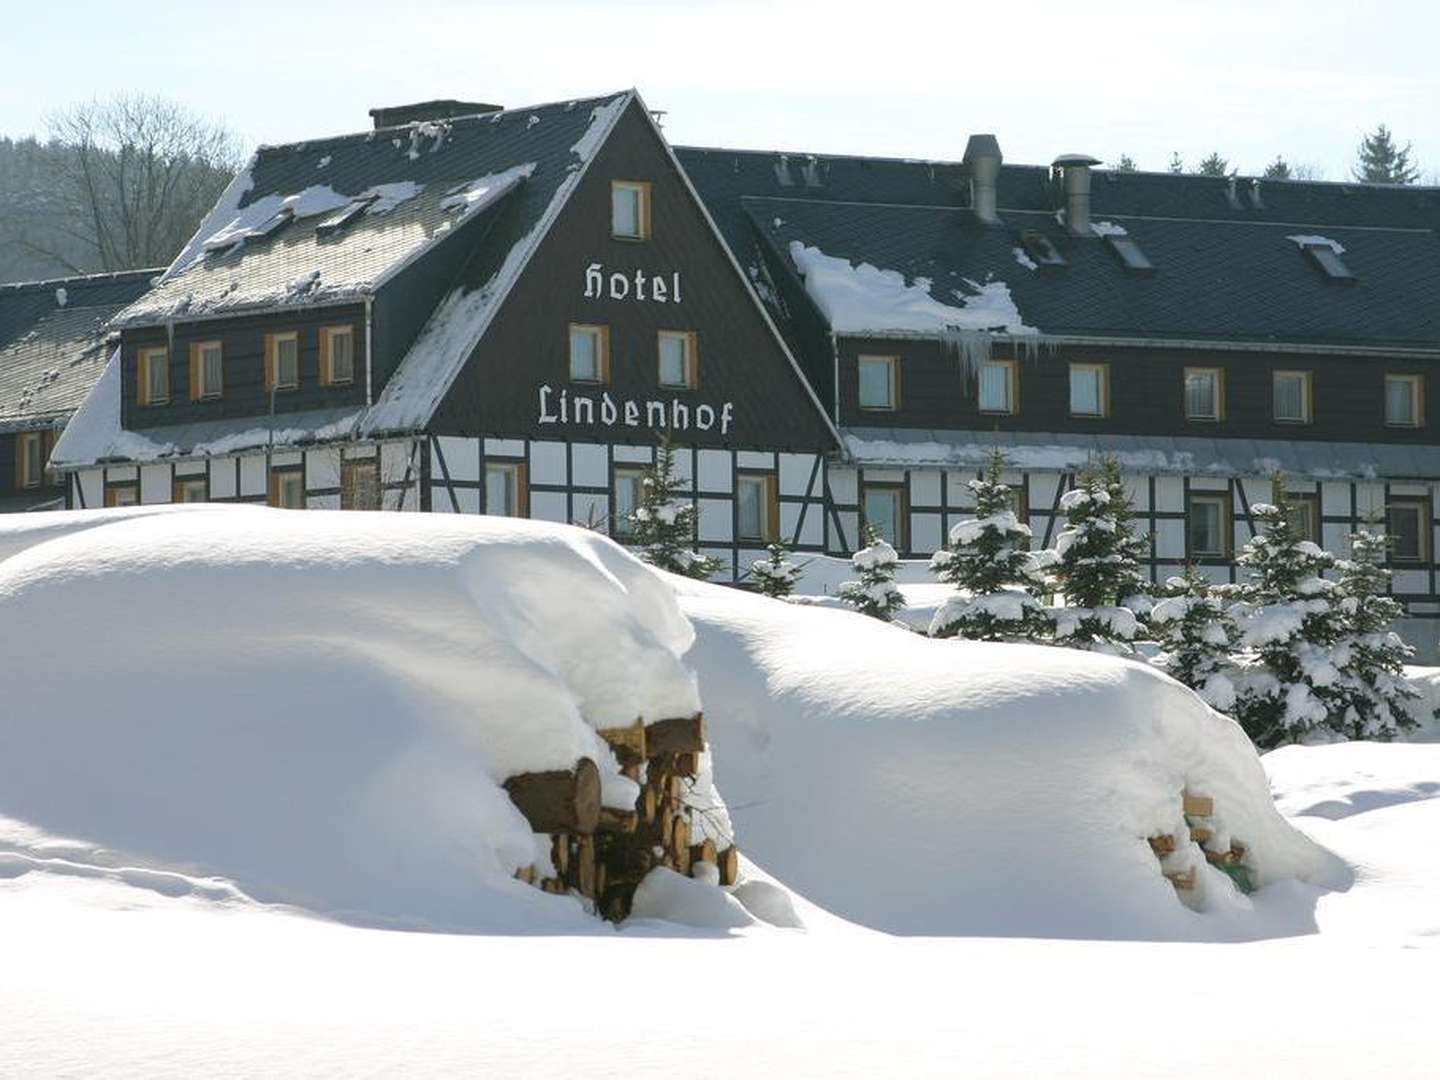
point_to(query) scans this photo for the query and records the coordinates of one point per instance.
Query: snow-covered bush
(663, 524)
(876, 593)
(1293, 634)
(777, 575)
(1382, 698)
(1097, 564)
(995, 573)
(1197, 633)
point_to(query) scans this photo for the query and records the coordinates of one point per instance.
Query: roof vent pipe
(982, 155)
(1074, 170)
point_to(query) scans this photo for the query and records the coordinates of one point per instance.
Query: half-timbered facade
(500, 311)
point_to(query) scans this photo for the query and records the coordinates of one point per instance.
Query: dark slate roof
(416, 170)
(1225, 271)
(52, 351)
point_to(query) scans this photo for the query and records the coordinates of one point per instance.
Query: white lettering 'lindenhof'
(623, 285)
(673, 415)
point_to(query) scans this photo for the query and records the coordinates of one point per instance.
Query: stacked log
(1201, 827)
(603, 853)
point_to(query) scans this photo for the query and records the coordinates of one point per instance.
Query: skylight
(269, 225)
(1128, 252)
(1329, 261)
(1040, 248)
(342, 217)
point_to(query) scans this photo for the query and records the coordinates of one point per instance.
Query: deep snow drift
(316, 709)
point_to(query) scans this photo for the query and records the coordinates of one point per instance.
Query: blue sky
(1250, 79)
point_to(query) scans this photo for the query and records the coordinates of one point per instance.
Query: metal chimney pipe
(1075, 177)
(983, 157)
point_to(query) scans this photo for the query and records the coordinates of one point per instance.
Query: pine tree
(990, 563)
(1279, 169)
(1177, 163)
(663, 524)
(1125, 164)
(1213, 165)
(1097, 563)
(1293, 632)
(1380, 708)
(876, 593)
(776, 576)
(1197, 633)
(1378, 160)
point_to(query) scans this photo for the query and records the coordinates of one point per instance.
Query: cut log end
(681, 734)
(558, 800)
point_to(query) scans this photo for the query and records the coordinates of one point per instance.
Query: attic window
(344, 216)
(269, 225)
(1325, 256)
(1040, 248)
(1129, 253)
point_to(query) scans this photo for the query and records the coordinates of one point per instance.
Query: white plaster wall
(589, 465)
(547, 464)
(713, 468)
(462, 458)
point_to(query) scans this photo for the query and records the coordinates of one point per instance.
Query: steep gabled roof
(52, 341)
(275, 239)
(1229, 264)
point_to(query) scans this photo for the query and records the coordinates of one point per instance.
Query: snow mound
(316, 709)
(945, 787)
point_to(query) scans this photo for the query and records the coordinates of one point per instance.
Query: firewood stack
(1221, 852)
(602, 852)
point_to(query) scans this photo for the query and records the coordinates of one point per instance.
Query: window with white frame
(756, 507)
(628, 486)
(629, 209)
(505, 489)
(207, 376)
(998, 386)
(1292, 397)
(282, 361)
(677, 359)
(884, 509)
(1404, 395)
(1204, 394)
(1407, 524)
(1208, 525)
(1089, 390)
(1304, 514)
(879, 382)
(337, 346)
(30, 459)
(589, 353)
(154, 373)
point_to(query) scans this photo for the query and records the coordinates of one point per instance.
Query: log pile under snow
(1203, 827)
(603, 851)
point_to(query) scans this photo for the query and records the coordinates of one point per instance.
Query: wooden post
(559, 800)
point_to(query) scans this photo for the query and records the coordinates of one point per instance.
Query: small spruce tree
(1213, 165)
(1292, 636)
(1380, 707)
(1279, 169)
(1379, 160)
(663, 524)
(876, 593)
(775, 576)
(1097, 563)
(1196, 634)
(1125, 164)
(990, 563)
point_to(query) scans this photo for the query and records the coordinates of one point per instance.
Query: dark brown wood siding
(527, 346)
(9, 466)
(1146, 393)
(243, 341)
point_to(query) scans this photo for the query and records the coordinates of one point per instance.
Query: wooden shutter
(194, 372)
(327, 376)
(142, 371)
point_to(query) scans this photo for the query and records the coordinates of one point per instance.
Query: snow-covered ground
(202, 855)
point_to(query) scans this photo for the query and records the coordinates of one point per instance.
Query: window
(1019, 504)
(287, 489)
(190, 489)
(342, 217)
(154, 386)
(879, 382)
(757, 510)
(1407, 521)
(1089, 390)
(505, 489)
(1128, 252)
(29, 459)
(360, 485)
(282, 361)
(206, 374)
(998, 379)
(1292, 397)
(1404, 397)
(337, 355)
(1041, 249)
(121, 495)
(1207, 526)
(628, 485)
(630, 210)
(1204, 394)
(589, 353)
(678, 359)
(1324, 255)
(1305, 516)
(883, 506)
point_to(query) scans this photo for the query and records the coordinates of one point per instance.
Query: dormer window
(344, 216)
(337, 355)
(154, 377)
(282, 361)
(269, 225)
(29, 459)
(1324, 254)
(206, 370)
(630, 209)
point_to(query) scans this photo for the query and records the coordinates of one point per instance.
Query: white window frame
(329, 335)
(620, 526)
(151, 359)
(1420, 506)
(1417, 400)
(26, 444)
(514, 475)
(1012, 388)
(1102, 389)
(1224, 527)
(640, 190)
(900, 541)
(892, 381)
(600, 334)
(1307, 405)
(1217, 387)
(689, 358)
(766, 485)
(204, 391)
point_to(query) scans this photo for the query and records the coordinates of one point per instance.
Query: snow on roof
(862, 298)
(1318, 241)
(400, 667)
